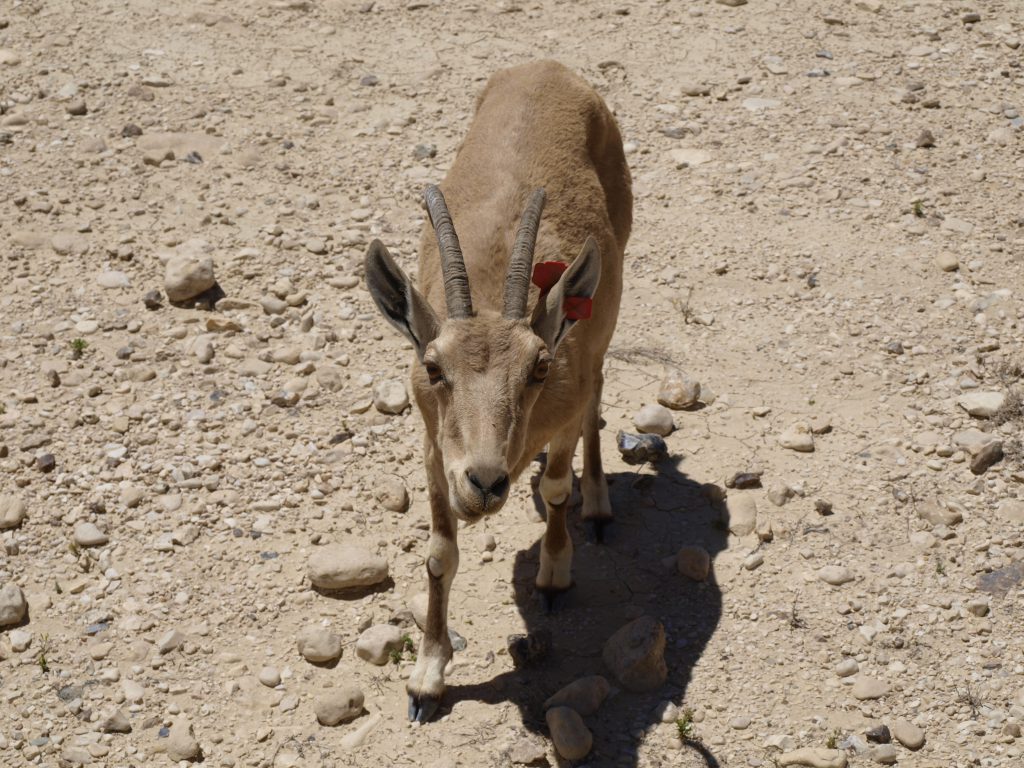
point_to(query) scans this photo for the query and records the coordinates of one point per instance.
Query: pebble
(114, 721)
(742, 512)
(343, 566)
(1011, 510)
(868, 688)
(393, 494)
(639, 449)
(113, 278)
(798, 438)
(885, 754)
(181, 742)
(12, 512)
(270, 677)
(20, 640)
(908, 734)
(528, 751)
(693, 562)
(584, 696)
(88, 535)
(572, 739)
(981, 405)
(836, 575)
(678, 391)
(376, 643)
(654, 419)
(847, 667)
(988, 455)
(390, 397)
(338, 705)
(879, 734)
(185, 277)
(636, 654)
(937, 513)
(318, 645)
(947, 261)
(814, 757)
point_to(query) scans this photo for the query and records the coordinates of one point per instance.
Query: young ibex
(498, 374)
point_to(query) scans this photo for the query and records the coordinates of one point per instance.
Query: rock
(46, 463)
(654, 419)
(991, 453)
(572, 739)
(868, 688)
(636, 654)
(847, 667)
(925, 140)
(981, 405)
(732, 3)
(908, 734)
(815, 757)
(693, 562)
(947, 262)
(1011, 510)
(779, 493)
(376, 643)
(688, 157)
(112, 278)
(270, 677)
(12, 512)
(418, 605)
(186, 277)
(742, 512)
(343, 566)
(528, 751)
(393, 495)
(584, 696)
(879, 734)
(88, 535)
(20, 640)
(76, 107)
(115, 721)
(679, 391)
(318, 645)
(9, 58)
(152, 300)
(169, 641)
(798, 438)
(638, 449)
(338, 705)
(181, 742)
(937, 513)
(836, 575)
(884, 753)
(390, 397)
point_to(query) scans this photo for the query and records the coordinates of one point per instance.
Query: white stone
(655, 419)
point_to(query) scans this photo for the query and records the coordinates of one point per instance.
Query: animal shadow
(615, 582)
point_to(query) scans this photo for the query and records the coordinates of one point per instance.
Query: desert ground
(828, 238)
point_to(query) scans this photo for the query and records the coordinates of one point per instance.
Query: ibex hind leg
(554, 576)
(597, 506)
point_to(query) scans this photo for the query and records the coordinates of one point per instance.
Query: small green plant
(406, 650)
(917, 207)
(78, 347)
(832, 741)
(44, 648)
(940, 566)
(684, 725)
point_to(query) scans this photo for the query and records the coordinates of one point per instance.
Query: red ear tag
(546, 274)
(578, 307)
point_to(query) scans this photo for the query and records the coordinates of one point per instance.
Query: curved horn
(453, 268)
(520, 264)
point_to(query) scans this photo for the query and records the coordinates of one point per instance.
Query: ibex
(498, 374)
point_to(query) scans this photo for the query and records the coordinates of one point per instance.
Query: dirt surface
(828, 237)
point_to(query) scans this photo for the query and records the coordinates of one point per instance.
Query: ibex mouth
(470, 505)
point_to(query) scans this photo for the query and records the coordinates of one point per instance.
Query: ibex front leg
(426, 683)
(555, 573)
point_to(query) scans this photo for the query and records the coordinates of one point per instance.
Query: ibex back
(498, 374)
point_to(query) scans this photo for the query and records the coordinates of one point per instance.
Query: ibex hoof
(422, 708)
(597, 528)
(553, 599)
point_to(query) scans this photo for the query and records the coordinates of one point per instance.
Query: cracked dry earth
(828, 238)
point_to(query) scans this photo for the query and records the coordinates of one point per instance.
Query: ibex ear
(401, 304)
(569, 300)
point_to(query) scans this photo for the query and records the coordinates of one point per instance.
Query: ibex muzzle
(539, 191)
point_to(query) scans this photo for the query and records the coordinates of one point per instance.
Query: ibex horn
(453, 268)
(520, 265)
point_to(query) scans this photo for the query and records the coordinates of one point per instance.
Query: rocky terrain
(212, 507)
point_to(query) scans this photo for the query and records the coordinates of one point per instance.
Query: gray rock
(937, 513)
(376, 643)
(270, 677)
(679, 391)
(318, 645)
(1011, 510)
(88, 535)
(338, 705)
(393, 495)
(169, 641)
(798, 438)
(186, 277)
(847, 667)
(20, 640)
(836, 575)
(12, 512)
(584, 696)
(637, 449)
(636, 654)
(885, 754)
(908, 734)
(528, 751)
(981, 405)
(390, 397)
(12, 605)
(654, 419)
(693, 562)
(947, 262)
(742, 511)
(343, 566)
(868, 688)
(115, 721)
(181, 742)
(572, 739)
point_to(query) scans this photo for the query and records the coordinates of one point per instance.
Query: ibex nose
(488, 482)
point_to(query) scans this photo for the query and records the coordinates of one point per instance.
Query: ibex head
(481, 372)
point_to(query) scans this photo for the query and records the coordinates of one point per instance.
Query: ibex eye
(541, 367)
(434, 372)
